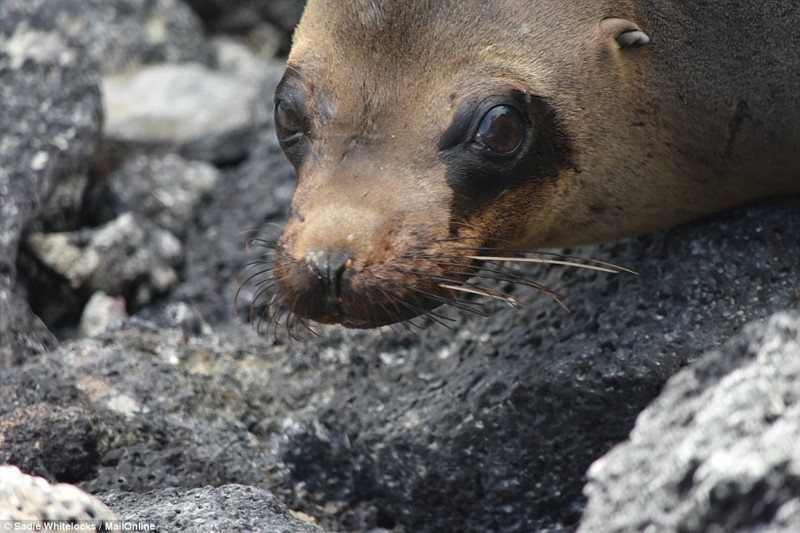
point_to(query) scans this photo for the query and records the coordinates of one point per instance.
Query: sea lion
(427, 134)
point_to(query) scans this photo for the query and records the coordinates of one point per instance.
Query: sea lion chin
(431, 136)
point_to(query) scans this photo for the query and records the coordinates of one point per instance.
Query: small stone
(202, 113)
(100, 312)
(40, 504)
(123, 256)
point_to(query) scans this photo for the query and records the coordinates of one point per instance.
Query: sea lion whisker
(248, 231)
(539, 260)
(420, 311)
(440, 319)
(396, 316)
(510, 277)
(290, 326)
(483, 292)
(475, 289)
(502, 270)
(488, 250)
(270, 245)
(609, 269)
(459, 304)
(408, 325)
(266, 313)
(269, 307)
(393, 315)
(263, 261)
(470, 288)
(266, 276)
(444, 279)
(295, 333)
(261, 287)
(464, 286)
(269, 249)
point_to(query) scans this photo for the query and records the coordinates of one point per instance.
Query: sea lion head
(422, 135)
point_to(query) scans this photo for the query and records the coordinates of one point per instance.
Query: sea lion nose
(329, 268)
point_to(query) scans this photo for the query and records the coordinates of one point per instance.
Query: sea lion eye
(501, 130)
(288, 122)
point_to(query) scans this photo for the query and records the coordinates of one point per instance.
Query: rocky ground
(137, 156)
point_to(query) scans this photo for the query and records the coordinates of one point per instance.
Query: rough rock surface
(210, 509)
(147, 407)
(488, 426)
(128, 257)
(115, 35)
(166, 190)
(49, 126)
(30, 500)
(113, 257)
(718, 450)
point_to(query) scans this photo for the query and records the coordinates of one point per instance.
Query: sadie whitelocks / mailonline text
(108, 525)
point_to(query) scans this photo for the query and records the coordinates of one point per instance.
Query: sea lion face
(410, 161)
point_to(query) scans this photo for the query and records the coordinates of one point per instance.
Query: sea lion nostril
(328, 268)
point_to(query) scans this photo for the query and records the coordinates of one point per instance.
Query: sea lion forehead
(404, 30)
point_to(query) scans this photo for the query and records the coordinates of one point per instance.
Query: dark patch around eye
(477, 174)
(291, 121)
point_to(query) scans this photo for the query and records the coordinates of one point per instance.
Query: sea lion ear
(626, 33)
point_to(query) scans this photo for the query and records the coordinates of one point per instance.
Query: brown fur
(703, 117)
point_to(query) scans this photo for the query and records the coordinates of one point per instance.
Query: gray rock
(22, 333)
(114, 412)
(48, 440)
(238, 16)
(115, 35)
(32, 501)
(248, 59)
(202, 113)
(49, 126)
(100, 312)
(166, 190)
(718, 450)
(210, 510)
(126, 256)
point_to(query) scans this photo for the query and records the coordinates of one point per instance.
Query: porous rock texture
(32, 501)
(725, 434)
(180, 411)
(49, 126)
